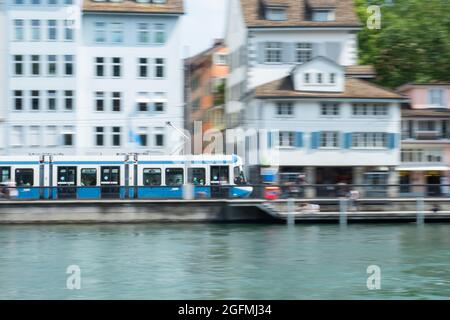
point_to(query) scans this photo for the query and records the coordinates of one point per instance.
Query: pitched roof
(411, 85)
(131, 6)
(360, 70)
(354, 89)
(431, 112)
(298, 15)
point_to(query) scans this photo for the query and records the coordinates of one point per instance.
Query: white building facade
(93, 77)
(291, 76)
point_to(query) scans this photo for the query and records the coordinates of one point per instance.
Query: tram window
(239, 177)
(88, 177)
(197, 176)
(220, 174)
(5, 174)
(67, 175)
(110, 175)
(174, 177)
(152, 177)
(24, 177)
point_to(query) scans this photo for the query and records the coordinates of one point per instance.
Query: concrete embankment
(221, 211)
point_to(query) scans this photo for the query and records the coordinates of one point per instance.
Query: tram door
(220, 181)
(67, 181)
(110, 182)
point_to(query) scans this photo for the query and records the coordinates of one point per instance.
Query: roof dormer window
(323, 15)
(276, 13)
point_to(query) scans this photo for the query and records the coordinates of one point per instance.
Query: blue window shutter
(269, 140)
(299, 139)
(392, 140)
(348, 140)
(314, 140)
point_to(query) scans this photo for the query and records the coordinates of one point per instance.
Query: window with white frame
(286, 138)
(34, 136)
(52, 65)
(18, 65)
(18, 100)
(17, 136)
(160, 33)
(143, 136)
(304, 52)
(19, 30)
(306, 77)
(99, 101)
(68, 100)
(436, 97)
(427, 125)
(116, 98)
(35, 65)
(142, 101)
(369, 140)
(116, 32)
(332, 78)
(99, 67)
(35, 30)
(319, 77)
(116, 67)
(68, 65)
(35, 100)
(159, 101)
(220, 58)
(143, 33)
(159, 68)
(68, 134)
(100, 32)
(368, 109)
(99, 136)
(51, 100)
(329, 139)
(116, 136)
(272, 52)
(51, 136)
(329, 109)
(276, 14)
(143, 68)
(159, 137)
(69, 26)
(323, 15)
(422, 155)
(52, 30)
(284, 109)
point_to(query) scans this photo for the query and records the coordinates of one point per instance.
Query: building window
(35, 30)
(365, 109)
(18, 100)
(143, 68)
(332, 78)
(159, 137)
(52, 65)
(160, 33)
(284, 109)
(33, 136)
(329, 109)
(143, 33)
(52, 30)
(99, 101)
(68, 65)
(99, 136)
(160, 101)
(69, 26)
(68, 136)
(220, 58)
(436, 97)
(35, 100)
(68, 100)
(369, 140)
(276, 14)
(35, 65)
(323, 15)
(100, 32)
(286, 139)
(143, 137)
(116, 136)
(427, 125)
(159, 68)
(116, 67)
(116, 101)
(99, 67)
(17, 136)
(329, 139)
(51, 100)
(319, 77)
(51, 136)
(304, 52)
(18, 65)
(306, 77)
(273, 52)
(18, 30)
(116, 32)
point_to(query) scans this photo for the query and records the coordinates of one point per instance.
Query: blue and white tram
(124, 177)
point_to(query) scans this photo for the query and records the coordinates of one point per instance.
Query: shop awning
(423, 168)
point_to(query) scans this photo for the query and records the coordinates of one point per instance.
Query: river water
(208, 261)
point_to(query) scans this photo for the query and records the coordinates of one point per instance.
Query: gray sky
(203, 22)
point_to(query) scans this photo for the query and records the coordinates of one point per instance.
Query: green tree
(413, 44)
